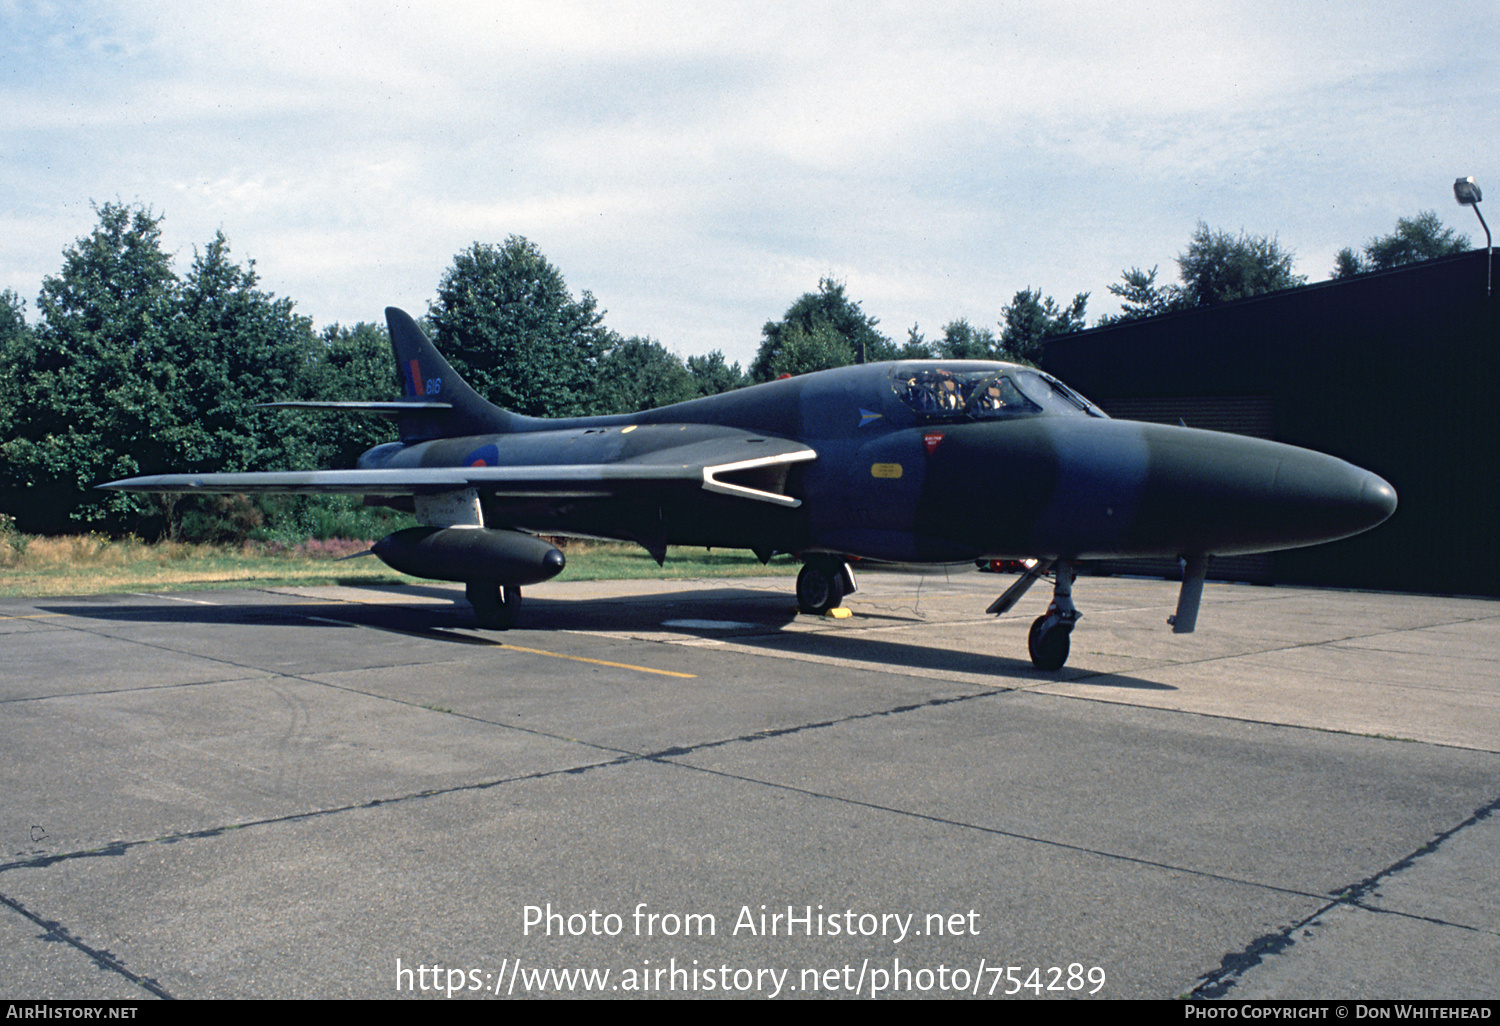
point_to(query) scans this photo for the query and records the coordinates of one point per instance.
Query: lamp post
(1466, 191)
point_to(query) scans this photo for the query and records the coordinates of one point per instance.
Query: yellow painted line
(586, 659)
(32, 616)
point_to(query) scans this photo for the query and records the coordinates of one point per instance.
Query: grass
(93, 564)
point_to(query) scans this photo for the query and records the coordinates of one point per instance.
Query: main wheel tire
(1049, 648)
(820, 586)
(495, 606)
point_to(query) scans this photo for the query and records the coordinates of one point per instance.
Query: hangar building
(1395, 371)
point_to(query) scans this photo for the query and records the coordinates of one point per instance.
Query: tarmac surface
(328, 792)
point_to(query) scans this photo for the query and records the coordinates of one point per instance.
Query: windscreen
(938, 393)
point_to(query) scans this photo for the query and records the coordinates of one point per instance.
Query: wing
(718, 465)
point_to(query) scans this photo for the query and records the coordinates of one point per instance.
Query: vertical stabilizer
(425, 375)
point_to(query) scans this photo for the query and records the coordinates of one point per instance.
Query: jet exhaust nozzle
(471, 554)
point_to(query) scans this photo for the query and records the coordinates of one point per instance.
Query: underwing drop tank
(471, 554)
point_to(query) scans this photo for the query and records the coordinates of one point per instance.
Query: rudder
(427, 377)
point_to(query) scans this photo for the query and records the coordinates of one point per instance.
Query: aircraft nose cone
(1321, 498)
(1231, 495)
(1377, 499)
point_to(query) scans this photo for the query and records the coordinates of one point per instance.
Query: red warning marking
(931, 440)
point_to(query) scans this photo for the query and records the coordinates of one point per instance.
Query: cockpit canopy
(958, 392)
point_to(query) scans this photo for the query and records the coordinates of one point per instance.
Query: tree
(1218, 267)
(641, 374)
(801, 350)
(505, 320)
(916, 346)
(1030, 318)
(236, 347)
(1141, 297)
(15, 342)
(1347, 264)
(712, 375)
(95, 390)
(352, 364)
(1415, 239)
(962, 341)
(822, 326)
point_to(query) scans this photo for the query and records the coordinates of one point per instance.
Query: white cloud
(697, 166)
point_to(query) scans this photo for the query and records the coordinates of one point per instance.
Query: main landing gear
(823, 583)
(1051, 633)
(495, 605)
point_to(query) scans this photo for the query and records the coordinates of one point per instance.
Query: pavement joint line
(1346, 897)
(622, 757)
(1226, 717)
(261, 673)
(664, 757)
(1012, 834)
(103, 959)
(115, 848)
(1234, 965)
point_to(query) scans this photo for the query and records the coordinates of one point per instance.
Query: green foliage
(1141, 297)
(803, 350)
(350, 365)
(293, 518)
(712, 375)
(236, 347)
(505, 320)
(963, 341)
(131, 370)
(915, 347)
(216, 519)
(820, 330)
(640, 374)
(92, 385)
(1031, 318)
(1218, 267)
(1415, 239)
(15, 343)
(1347, 264)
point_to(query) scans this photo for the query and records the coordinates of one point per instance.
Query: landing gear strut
(495, 605)
(1051, 633)
(823, 583)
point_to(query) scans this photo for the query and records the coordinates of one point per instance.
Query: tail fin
(426, 376)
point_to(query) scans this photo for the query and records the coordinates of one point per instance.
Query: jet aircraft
(915, 462)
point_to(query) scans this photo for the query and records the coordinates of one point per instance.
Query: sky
(697, 167)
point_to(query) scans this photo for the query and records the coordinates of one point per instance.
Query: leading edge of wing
(565, 481)
(384, 409)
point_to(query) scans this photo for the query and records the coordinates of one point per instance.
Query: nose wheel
(1051, 636)
(1049, 642)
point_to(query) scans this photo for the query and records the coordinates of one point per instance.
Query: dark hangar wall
(1394, 371)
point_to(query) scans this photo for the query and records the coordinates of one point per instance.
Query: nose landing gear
(1050, 638)
(1051, 633)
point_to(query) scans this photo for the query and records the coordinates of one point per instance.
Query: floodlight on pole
(1468, 194)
